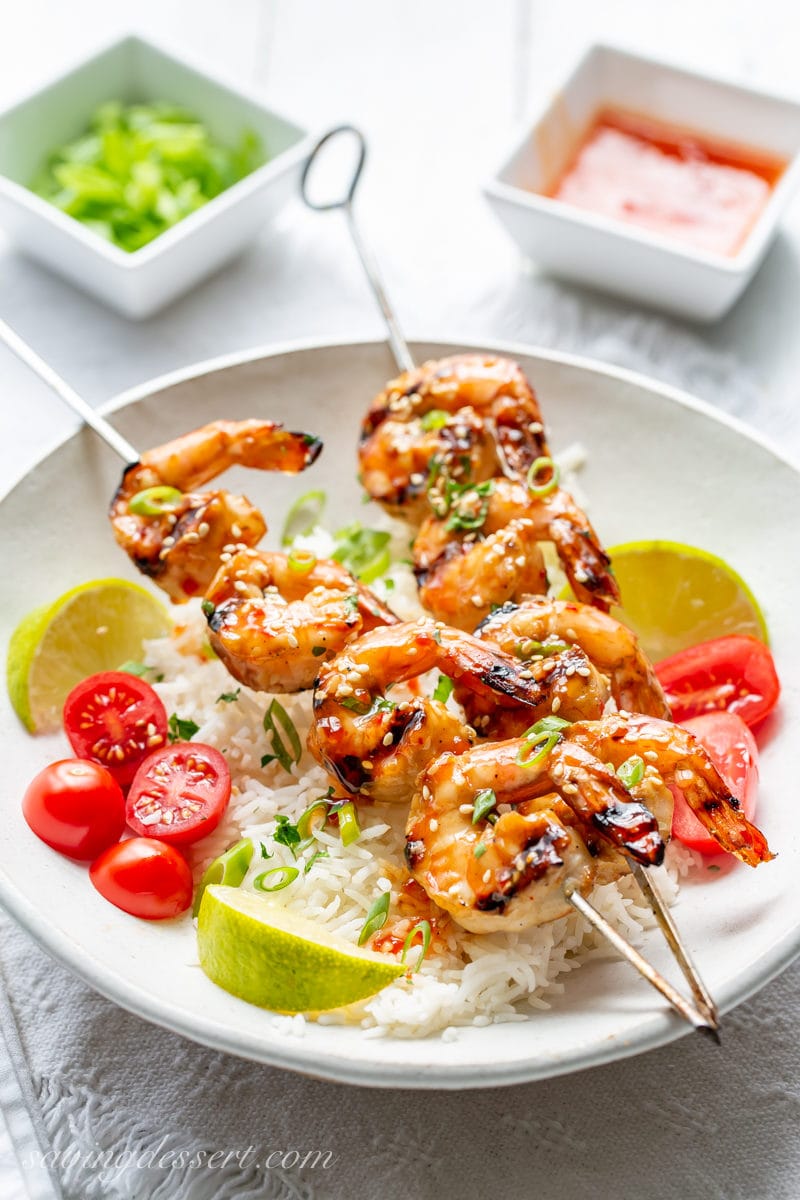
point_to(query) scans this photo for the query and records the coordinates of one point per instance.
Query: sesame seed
(203, 529)
(584, 671)
(240, 586)
(236, 530)
(466, 809)
(191, 537)
(366, 765)
(433, 824)
(487, 875)
(477, 600)
(388, 739)
(556, 705)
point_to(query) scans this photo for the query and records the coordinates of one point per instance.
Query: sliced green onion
(551, 724)
(359, 707)
(444, 689)
(313, 859)
(229, 697)
(464, 513)
(276, 879)
(303, 515)
(542, 743)
(302, 561)
(423, 928)
(482, 805)
(631, 771)
(480, 850)
(375, 918)
(364, 552)
(306, 823)
(437, 418)
(277, 713)
(155, 501)
(349, 828)
(209, 608)
(538, 467)
(531, 649)
(229, 868)
(134, 668)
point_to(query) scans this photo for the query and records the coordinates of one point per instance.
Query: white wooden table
(437, 87)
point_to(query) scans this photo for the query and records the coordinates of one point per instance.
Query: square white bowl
(622, 258)
(134, 69)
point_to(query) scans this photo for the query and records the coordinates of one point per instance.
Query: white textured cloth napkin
(118, 1095)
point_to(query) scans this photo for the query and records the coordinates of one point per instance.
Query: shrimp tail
(718, 811)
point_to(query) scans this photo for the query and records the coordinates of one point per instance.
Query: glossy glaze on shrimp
(274, 619)
(681, 762)
(486, 551)
(375, 744)
(180, 548)
(554, 823)
(545, 633)
(476, 415)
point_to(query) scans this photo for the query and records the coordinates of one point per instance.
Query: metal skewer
(679, 950)
(398, 344)
(68, 394)
(705, 1015)
(700, 1018)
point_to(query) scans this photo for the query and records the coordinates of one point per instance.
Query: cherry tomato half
(179, 793)
(732, 673)
(732, 749)
(117, 720)
(145, 878)
(77, 807)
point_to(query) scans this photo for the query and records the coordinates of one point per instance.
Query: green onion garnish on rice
(423, 930)
(302, 517)
(276, 715)
(375, 918)
(275, 879)
(229, 869)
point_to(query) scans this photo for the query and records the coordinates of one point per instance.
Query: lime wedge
(94, 627)
(270, 957)
(675, 596)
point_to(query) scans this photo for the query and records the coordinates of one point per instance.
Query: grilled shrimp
(485, 552)
(176, 535)
(572, 687)
(375, 746)
(681, 762)
(475, 415)
(545, 633)
(551, 825)
(273, 619)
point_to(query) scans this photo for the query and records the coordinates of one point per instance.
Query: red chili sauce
(670, 180)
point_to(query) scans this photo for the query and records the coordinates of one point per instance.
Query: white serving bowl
(623, 258)
(132, 70)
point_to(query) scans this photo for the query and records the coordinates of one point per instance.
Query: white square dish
(136, 70)
(623, 258)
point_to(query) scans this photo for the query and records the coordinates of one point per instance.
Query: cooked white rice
(471, 979)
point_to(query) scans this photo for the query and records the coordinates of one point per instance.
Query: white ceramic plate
(660, 465)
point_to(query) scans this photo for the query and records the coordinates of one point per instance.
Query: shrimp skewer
(178, 543)
(376, 745)
(545, 633)
(486, 552)
(476, 415)
(273, 621)
(681, 762)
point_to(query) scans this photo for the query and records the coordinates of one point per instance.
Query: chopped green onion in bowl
(139, 169)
